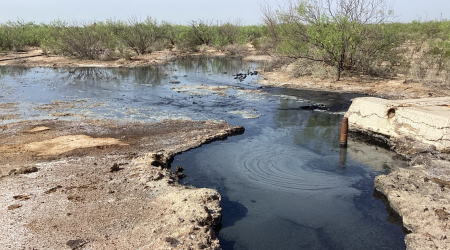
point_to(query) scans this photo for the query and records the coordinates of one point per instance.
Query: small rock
(114, 168)
(37, 129)
(181, 175)
(22, 197)
(75, 198)
(23, 170)
(15, 206)
(172, 241)
(76, 244)
(53, 189)
(442, 215)
(158, 177)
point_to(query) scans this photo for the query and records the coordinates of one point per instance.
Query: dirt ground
(95, 184)
(395, 88)
(36, 58)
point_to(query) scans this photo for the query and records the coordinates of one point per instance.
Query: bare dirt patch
(420, 194)
(395, 88)
(97, 184)
(62, 144)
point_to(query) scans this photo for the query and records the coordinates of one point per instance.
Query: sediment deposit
(110, 190)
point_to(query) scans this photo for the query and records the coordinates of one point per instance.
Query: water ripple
(287, 167)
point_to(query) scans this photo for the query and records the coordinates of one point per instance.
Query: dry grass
(423, 67)
(304, 67)
(276, 63)
(236, 49)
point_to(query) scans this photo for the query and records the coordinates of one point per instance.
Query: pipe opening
(391, 113)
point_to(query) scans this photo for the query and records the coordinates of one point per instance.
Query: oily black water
(285, 183)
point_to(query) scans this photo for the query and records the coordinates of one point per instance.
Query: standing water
(285, 183)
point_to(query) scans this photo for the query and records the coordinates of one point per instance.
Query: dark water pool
(285, 182)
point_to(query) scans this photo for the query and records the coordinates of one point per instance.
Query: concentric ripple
(287, 167)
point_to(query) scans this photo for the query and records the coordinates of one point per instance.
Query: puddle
(285, 182)
(287, 185)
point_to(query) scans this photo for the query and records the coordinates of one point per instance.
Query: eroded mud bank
(420, 194)
(110, 190)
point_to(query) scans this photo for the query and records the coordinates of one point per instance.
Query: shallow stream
(285, 183)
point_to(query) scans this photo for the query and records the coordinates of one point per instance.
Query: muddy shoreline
(112, 190)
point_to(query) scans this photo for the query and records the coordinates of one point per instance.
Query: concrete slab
(425, 120)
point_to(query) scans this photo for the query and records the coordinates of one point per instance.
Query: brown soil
(395, 88)
(100, 185)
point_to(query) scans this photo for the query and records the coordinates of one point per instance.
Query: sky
(183, 11)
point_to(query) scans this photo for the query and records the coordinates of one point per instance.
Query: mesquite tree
(139, 35)
(204, 31)
(346, 34)
(229, 32)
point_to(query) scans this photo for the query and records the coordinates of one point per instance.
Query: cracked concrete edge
(424, 122)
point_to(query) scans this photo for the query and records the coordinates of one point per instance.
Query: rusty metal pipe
(344, 132)
(343, 156)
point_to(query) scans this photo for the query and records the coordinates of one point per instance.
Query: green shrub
(229, 34)
(83, 41)
(17, 35)
(204, 31)
(140, 36)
